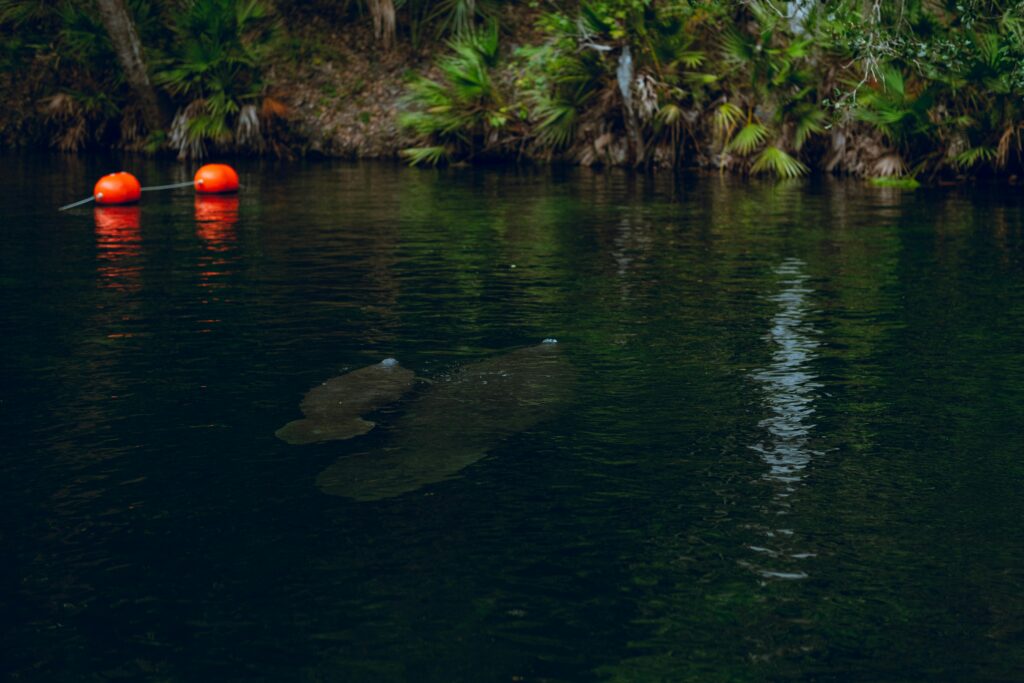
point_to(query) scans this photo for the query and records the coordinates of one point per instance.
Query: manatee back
(457, 423)
(358, 392)
(488, 400)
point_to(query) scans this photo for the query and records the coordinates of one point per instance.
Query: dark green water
(792, 451)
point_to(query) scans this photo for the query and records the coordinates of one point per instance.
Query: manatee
(456, 423)
(333, 409)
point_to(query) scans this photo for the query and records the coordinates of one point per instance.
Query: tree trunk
(625, 75)
(128, 47)
(383, 13)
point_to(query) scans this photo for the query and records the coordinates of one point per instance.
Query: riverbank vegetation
(926, 89)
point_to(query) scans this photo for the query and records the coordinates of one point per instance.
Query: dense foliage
(761, 86)
(925, 88)
(207, 56)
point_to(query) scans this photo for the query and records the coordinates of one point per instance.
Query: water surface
(792, 449)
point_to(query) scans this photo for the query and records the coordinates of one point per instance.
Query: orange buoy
(117, 188)
(216, 179)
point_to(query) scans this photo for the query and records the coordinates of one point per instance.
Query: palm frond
(418, 156)
(748, 138)
(557, 123)
(670, 114)
(737, 48)
(892, 80)
(459, 17)
(773, 160)
(692, 59)
(810, 121)
(974, 156)
(725, 118)
(18, 12)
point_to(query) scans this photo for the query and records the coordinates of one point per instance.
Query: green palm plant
(903, 116)
(682, 81)
(990, 92)
(18, 13)
(464, 112)
(557, 117)
(616, 70)
(942, 80)
(216, 67)
(459, 17)
(83, 96)
(779, 112)
(557, 83)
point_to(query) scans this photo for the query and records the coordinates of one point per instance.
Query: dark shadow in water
(457, 422)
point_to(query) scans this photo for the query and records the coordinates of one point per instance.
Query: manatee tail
(306, 431)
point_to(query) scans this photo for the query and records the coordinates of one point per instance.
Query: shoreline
(332, 89)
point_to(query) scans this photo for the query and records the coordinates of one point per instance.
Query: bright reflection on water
(789, 383)
(789, 387)
(781, 439)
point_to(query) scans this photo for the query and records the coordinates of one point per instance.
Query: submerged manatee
(455, 423)
(332, 409)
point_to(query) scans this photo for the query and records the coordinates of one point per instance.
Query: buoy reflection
(117, 222)
(118, 245)
(216, 216)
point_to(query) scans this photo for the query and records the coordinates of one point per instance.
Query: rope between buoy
(168, 187)
(74, 204)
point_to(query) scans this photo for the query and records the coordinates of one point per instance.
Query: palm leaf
(748, 138)
(811, 121)
(692, 59)
(974, 156)
(557, 125)
(737, 48)
(425, 155)
(774, 160)
(670, 114)
(892, 80)
(988, 48)
(727, 115)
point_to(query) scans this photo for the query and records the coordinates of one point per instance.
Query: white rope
(167, 187)
(74, 204)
